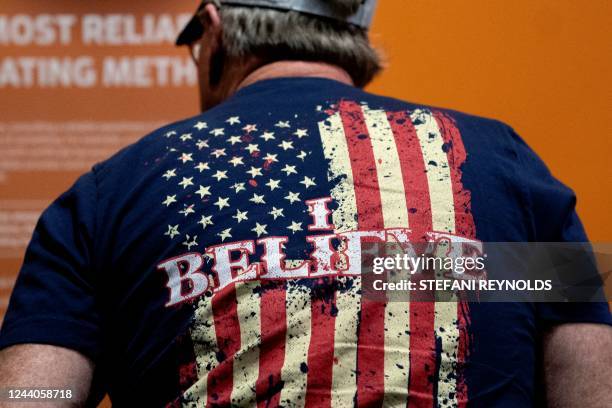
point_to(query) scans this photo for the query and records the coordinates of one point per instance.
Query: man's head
(233, 40)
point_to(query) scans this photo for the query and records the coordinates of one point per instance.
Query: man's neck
(284, 69)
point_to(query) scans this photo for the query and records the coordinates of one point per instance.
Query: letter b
(185, 279)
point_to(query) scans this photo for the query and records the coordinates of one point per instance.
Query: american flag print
(272, 267)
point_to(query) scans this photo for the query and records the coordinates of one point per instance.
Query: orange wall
(26, 186)
(541, 66)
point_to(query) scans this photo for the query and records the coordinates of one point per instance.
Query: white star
(225, 234)
(276, 212)
(172, 231)
(185, 157)
(205, 221)
(283, 124)
(293, 197)
(185, 136)
(220, 175)
(169, 200)
(217, 132)
(302, 155)
(257, 199)
(260, 229)
(191, 243)
(170, 133)
(300, 133)
(236, 161)
(233, 120)
(202, 144)
(267, 136)
(187, 210)
(238, 187)
(255, 171)
(234, 139)
(289, 169)
(186, 182)
(273, 184)
(200, 125)
(308, 182)
(203, 191)
(218, 153)
(295, 226)
(240, 216)
(286, 145)
(202, 166)
(252, 148)
(250, 128)
(169, 174)
(222, 202)
(271, 158)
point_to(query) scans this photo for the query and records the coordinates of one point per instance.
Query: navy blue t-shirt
(215, 261)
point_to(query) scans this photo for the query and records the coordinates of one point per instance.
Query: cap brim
(192, 31)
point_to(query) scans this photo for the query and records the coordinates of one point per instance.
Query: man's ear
(212, 55)
(212, 22)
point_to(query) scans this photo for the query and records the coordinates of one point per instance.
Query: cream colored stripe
(397, 353)
(443, 214)
(339, 173)
(397, 349)
(446, 330)
(296, 346)
(205, 348)
(344, 379)
(246, 360)
(438, 172)
(388, 169)
(395, 215)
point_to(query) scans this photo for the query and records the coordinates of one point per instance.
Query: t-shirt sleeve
(53, 301)
(552, 209)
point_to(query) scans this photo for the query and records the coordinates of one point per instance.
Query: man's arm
(43, 366)
(578, 365)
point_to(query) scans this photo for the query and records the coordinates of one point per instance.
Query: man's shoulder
(151, 147)
(459, 116)
(201, 128)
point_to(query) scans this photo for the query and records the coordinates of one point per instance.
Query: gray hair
(274, 35)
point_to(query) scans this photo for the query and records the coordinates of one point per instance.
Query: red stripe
(464, 226)
(463, 322)
(187, 367)
(321, 348)
(412, 164)
(227, 328)
(457, 155)
(370, 347)
(272, 350)
(367, 191)
(422, 339)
